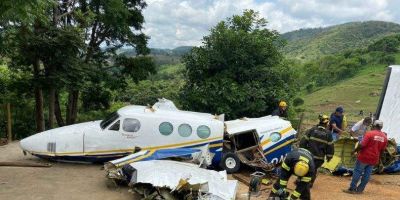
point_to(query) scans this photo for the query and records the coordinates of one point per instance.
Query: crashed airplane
(138, 133)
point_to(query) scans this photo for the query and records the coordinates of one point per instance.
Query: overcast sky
(173, 23)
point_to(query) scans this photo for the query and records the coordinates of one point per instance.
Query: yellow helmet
(323, 119)
(301, 168)
(282, 104)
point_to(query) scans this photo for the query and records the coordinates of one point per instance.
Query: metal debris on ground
(344, 160)
(165, 179)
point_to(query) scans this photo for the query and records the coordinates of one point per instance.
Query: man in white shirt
(359, 129)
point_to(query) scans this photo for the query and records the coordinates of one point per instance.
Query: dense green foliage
(390, 44)
(308, 44)
(167, 83)
(58, 44)
(238, 70)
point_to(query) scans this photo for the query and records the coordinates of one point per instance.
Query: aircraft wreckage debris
(165, 179)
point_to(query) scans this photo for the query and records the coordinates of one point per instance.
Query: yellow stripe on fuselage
(283, 132)
(279, 146)
(137, 159)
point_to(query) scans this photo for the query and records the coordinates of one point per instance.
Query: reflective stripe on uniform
(284, 166)
(296, 194)
(320, 140)
(283, 182)
(329, 155)
(306, 179)
(319, 157)
(304, 159)
(274, 190)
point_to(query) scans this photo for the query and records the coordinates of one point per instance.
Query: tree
(113, 23)
(68, 45)
(238, 70)
(21, 27)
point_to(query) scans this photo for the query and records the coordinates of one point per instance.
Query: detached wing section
(154, 155)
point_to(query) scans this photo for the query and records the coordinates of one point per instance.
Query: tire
(230, 162)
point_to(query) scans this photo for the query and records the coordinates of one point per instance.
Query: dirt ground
(86, 181)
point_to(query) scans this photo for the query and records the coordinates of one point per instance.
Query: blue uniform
(338, 120)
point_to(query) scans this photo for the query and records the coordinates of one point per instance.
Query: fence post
(300, 124)
(9, 132)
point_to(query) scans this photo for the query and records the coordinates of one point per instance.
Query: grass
(361, 92)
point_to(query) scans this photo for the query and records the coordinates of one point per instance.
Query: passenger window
(131, 125)
(166, 128)
(115, 126)
(185, 130)
(203, 132)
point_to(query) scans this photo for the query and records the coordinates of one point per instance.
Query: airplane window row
(184, 130)
(165, 128)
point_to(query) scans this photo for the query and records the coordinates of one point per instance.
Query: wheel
(230, 162)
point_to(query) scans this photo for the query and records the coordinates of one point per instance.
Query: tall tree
(21, 23)
(238, 70)
(112, 23)
(66, 43)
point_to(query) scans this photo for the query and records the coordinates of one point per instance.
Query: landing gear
(230, 162)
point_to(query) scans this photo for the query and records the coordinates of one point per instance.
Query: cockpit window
(115, 126)
(131, 125)
(108, 120)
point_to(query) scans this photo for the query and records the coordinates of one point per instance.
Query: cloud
(173, 23)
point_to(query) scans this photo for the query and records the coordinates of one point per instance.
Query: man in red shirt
(369, 151)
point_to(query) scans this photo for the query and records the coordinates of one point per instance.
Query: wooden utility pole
(9, 132)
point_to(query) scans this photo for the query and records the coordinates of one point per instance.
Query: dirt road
(61, 181)
(84, 181)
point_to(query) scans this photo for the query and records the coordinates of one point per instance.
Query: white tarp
(166, 173)
(390, 111)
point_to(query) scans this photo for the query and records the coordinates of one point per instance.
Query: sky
(173, 23)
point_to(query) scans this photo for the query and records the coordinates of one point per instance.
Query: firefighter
(299, 163)
(281, 111)
(318, 140)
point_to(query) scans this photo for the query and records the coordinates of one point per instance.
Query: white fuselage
(144, 128)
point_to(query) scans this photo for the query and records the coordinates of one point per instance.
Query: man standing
(299, 163)
(336, 123)
(281, 110)
(360, 128)
(370, 150)
(319, 142)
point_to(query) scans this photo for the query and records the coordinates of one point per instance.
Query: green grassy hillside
(309, 44)
(362, 92)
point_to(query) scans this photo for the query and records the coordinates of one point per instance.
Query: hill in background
(307, 44)
(162, 56)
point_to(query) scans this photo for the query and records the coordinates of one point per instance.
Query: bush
(298, 102)
(310, 87)
(387, 60)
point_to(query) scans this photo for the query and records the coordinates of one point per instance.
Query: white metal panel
(165, 173)
(390, 111)
(263, 125)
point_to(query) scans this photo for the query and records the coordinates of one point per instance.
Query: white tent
(389, 105)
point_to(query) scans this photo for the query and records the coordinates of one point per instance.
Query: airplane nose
(36, 143)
